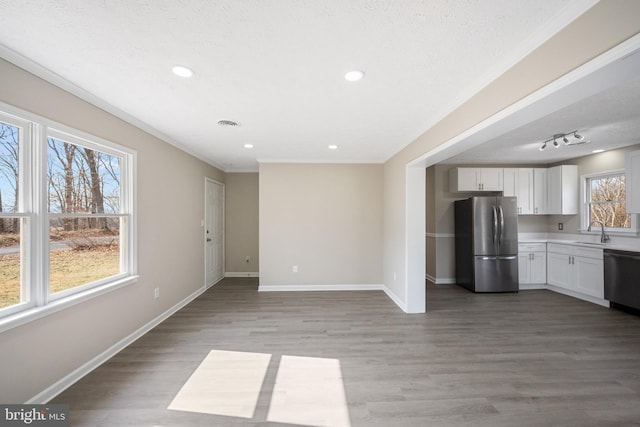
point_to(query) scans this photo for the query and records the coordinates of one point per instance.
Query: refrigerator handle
(495, 226)
(501, 225)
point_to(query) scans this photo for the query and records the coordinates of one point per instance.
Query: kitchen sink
(591, 243)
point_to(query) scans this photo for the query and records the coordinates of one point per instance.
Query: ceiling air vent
(230, 123)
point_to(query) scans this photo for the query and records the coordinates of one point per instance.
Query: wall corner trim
(67, 381)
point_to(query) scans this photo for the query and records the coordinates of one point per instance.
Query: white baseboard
(595, 300)
(395, 299)
(529, 286)
(305, 288)
(311, 288)
(441, 280)
(241, 274)
(67, 381)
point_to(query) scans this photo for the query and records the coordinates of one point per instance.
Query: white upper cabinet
(539, 191)
(475, 179)
(510, 182)
(632, 171)
(518, 182)
(562, 190)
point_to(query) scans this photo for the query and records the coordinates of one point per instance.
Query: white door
(214, 232)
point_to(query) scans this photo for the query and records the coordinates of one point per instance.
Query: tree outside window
(607, 202)
(83, 203)
(12, 287)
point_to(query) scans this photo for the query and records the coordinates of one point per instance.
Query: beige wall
(325, 219)
(607, 24)
(170, 201)
(440, 237)
(241, 222)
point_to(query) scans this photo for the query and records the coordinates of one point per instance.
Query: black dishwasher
(622, 278)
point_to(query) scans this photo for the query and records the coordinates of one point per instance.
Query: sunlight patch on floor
(309, 391)
(226, 383)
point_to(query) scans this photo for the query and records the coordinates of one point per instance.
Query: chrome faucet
(604, 238)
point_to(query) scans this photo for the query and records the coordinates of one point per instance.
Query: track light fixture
(577, 140)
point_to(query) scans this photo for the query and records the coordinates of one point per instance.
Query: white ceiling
(277, 67)
(609, 119)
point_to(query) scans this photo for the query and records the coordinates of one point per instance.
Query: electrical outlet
(156, 292)
(295, 268)
(560, 226)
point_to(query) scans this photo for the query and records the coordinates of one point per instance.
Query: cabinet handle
(569, 260)
(536, 210)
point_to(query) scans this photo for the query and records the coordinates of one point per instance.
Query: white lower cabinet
(559, 268)
(576, 268)
(532, 263)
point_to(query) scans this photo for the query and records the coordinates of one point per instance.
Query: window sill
(630, 233)
(34, 313)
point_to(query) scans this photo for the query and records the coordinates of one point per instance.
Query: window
(66, 216)
(83, 202)
(13, 218)
(605, 203)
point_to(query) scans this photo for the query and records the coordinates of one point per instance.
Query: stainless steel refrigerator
(487, 244)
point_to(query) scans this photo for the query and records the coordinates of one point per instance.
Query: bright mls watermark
(34, 415)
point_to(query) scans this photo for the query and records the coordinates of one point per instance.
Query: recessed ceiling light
(597, 151)
(248, 145)
(354, 75)
(333, 147)
(182, 71)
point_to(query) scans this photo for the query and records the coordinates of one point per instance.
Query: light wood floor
(535, 358)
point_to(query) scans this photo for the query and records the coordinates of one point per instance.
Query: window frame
(34, 208)
(585, 211)
(24, 213)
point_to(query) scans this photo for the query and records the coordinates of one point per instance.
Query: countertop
(584, 241)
